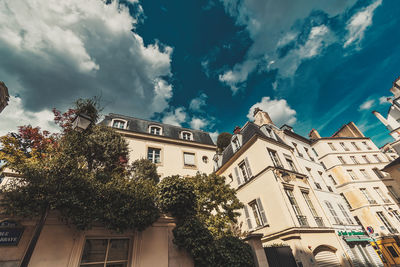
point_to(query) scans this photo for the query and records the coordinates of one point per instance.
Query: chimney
(314, 134)
(381, 118)
(236, 130)
(261, 117)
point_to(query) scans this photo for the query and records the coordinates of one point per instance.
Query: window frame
(275, 158)
(194, 159)
(354, 159)
(367, 196)
(366, 159)
(344, 146)
(153, 126)
(354, 144)
(332, 147)
(333, 213)
(183, 133)
(154, 154)
(125, 123)
(341, 159)
(352, 174)
(290, 162)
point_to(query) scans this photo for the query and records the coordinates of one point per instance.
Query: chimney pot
(236, 130)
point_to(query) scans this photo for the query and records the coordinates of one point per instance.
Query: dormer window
(154, 129)
(186, 136)
(120, 124)
(236, 144)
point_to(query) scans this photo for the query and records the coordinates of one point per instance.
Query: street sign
(10, 233)
(370, 230)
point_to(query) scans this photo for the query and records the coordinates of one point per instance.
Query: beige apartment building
(279, 202)
(355, 164)
(175, 150)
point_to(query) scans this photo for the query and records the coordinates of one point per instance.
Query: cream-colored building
(279, 201)
(354, 239)
(355, 164)
(175, 151)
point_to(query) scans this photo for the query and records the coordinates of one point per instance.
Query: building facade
(354, 239)
(354, 163)
(4, 96)
(279, 202)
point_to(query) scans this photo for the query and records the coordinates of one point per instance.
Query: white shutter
(239, 181)
(327, 259)
(248, 219)
(246, 161)
(189, 158)
(261, 208)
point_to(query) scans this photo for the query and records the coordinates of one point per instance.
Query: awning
(357, 238)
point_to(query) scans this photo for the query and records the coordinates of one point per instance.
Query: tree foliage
(144, 169)
(223, 141)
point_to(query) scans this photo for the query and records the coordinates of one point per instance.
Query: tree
(145, 169)
(223, 141)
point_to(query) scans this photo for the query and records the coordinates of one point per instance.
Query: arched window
(186, 135)
(118, 123)
(155, 129)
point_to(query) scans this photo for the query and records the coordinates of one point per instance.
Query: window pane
(95, 250)
(188, 158)
(116, 264)
(118, 250)
(92, 265)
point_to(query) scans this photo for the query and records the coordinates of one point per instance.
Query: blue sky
(203, 64)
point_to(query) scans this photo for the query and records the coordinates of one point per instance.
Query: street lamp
(81, 122)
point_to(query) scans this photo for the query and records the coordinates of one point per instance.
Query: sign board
(370, 230)
(10, 233)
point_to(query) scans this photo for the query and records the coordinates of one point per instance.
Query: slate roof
(247, 132)
(393, 163)
(142, 126)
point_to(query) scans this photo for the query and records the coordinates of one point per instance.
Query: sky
(202, 64)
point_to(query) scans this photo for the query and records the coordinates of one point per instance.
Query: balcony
(386, 200)
(319, 221)
(371, 201)
(302, 220)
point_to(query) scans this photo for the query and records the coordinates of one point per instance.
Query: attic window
(154, 129)
(186, 136)
(116, 123)
(236, 144)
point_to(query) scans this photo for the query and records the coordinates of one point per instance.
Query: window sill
(190, 166)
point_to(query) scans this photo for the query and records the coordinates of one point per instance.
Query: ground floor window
(105, 252)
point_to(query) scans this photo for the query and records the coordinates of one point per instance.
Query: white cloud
(279, 110)
(383, 100)
(198, 103)
(14, 115)
(359, 22)
(198, 123)
(234, 78)
(53, 52)
(367, 104)
(176, 117)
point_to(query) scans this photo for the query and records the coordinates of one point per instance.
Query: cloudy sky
(202, 64)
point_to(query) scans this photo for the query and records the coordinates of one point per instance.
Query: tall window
(187, 136)
(154, 154)
(332, 180)
(354, 159)
(365, 158)
(367, 196)
(332, 212)
(380, 193)
(378, 159)
(310, 205)
(119, 124)
(302, 219)
(315, 152)
(155, 130)
(332, 146)
(352, 174)
(345, 200)
(378, 173)
(308, 154)
(345, 214)
(236, 144)
(290, 163)
(364, 173)
(393, 192)
(340, 158)
(243, 171)
(366, 145)
(105, 252)
(396, 215)
(297, 150)
(355, 145)
(344, 146)
(275, 158)
(189, 159)
(258, 212)
(383, 218)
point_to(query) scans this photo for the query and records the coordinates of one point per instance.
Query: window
(243, 173)
(332, 180)
(119, 124)
(377, 158)
(353, 158)
(352, 174)
(258, 212)
(308, 153)
(355, 145)
(364, 173)
(383, 218)
(323, 165)
(155, 130)
(393, 192)
(392, 251)
(344, 146)
(310, 204)
(380, 193)
(345, 200)
(302, 219)
(367, 196)
(290, 163)
(378, 173)
(365, 158)
(154, 155)
(329, 188)
(366, 145)
(332, 146)
(340, 158)
(187, 136)
(236, 143)
(332, 212)
(189, 159)
(396, 215)
(345, 214)
(297, 150)
(315, 152)
(270, 133)
(105, 252)
(275, 158)
(317, 185)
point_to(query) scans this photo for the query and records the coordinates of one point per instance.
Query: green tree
(223, 141)
(144, 169)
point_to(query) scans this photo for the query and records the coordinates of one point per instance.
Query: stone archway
(325, 256)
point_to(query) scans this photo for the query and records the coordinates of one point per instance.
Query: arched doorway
(325, 256)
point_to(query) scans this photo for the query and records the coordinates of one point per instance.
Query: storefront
(389, 247)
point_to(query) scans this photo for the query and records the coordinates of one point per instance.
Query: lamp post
(81, 122)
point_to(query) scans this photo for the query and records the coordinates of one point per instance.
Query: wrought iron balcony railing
(302, 220)
(319, 221)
